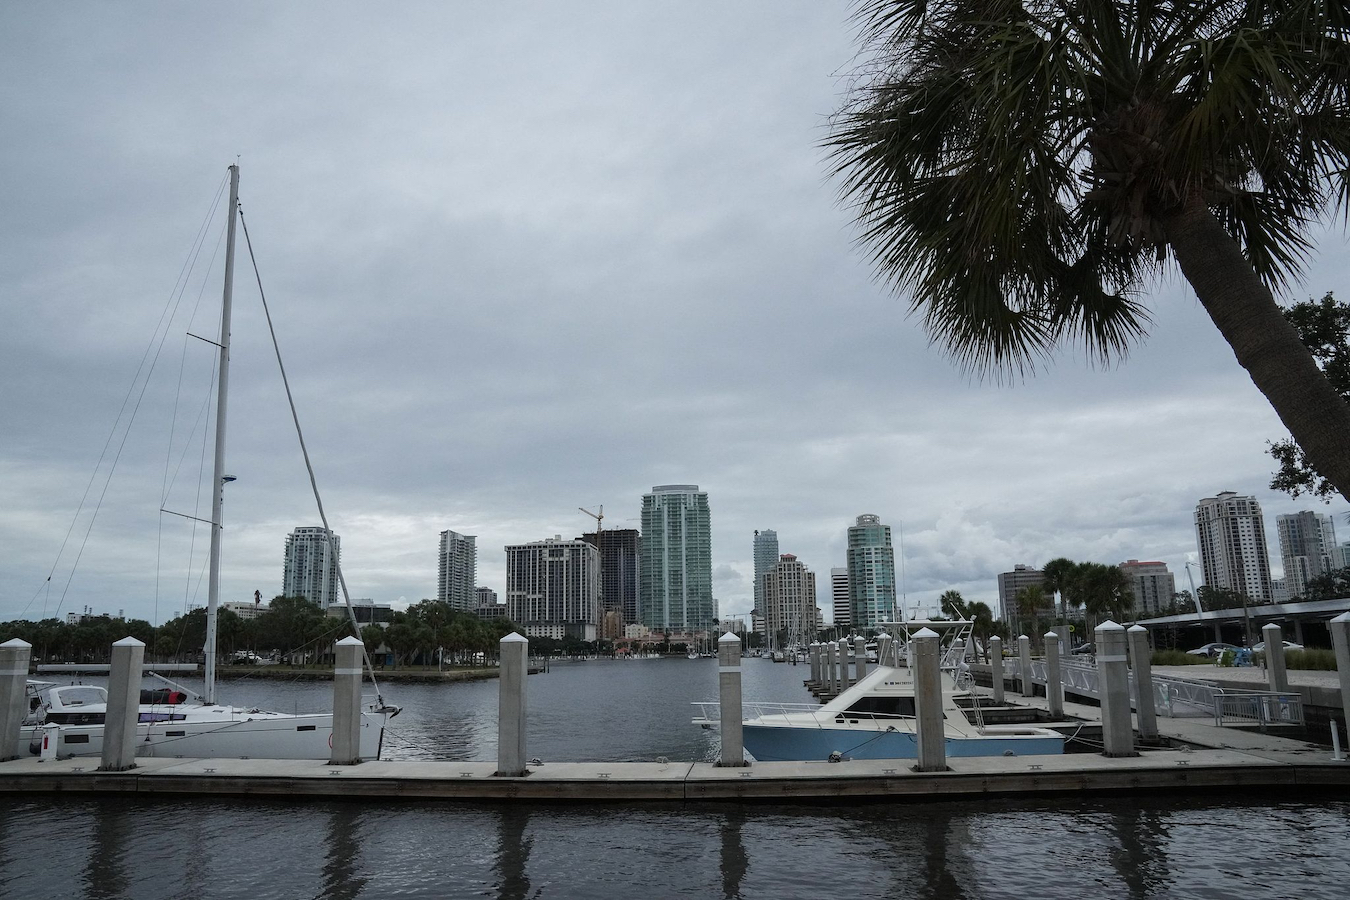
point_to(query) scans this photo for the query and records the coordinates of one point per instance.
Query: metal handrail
(1264, 708)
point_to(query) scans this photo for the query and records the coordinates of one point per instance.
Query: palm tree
(1107, 591)
(1024, 167)
(953, 604)
(1057, 573)
(983, 628)
(1030, 601)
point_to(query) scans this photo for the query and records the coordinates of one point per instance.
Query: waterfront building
(675, 584)
(311, 566)
(249, 611)
(1010, 583)
(766, 557)
(457, 570)
(620, 564)
(366, 611)
(1340, 558)
(791, 618)
(485, 596)
(553, 588)
(871, 574)
(734, 625)
(843, 614)
(1279, 590)
(1230, 533)
(1153, 584)
(1307, 549)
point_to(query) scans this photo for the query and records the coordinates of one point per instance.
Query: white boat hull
(251, 735)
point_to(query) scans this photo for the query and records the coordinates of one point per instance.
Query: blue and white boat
(875, 718)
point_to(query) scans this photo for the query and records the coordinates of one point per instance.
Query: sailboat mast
(218, 473)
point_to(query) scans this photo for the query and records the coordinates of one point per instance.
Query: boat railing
(710, 713)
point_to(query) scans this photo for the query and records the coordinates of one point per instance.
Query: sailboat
(67, 720)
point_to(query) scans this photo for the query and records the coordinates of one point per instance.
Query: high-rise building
(1153, 583)
(791, 618)
(766, 557)
(620, 562)
(311, 568)
(457, 569)
(1307, 549)
(1340, 557)
(843, 614)
(1231, 535)
(675, 587)
(1010, 583)
(484, 596)
(871, 573)
(553, 588)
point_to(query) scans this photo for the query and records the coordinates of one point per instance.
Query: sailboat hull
(254, 736)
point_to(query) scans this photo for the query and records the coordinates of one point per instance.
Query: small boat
(875, 718)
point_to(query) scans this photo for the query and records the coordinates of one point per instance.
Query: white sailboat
(68, 720)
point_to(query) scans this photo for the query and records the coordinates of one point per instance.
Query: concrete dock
(1225, 759)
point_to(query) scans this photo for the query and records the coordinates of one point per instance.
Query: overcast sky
(524, 259)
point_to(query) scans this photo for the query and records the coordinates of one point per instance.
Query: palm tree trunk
(1265, 344)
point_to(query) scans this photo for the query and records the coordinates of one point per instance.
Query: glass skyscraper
(675, 591)
(871, 573)
(766, 557)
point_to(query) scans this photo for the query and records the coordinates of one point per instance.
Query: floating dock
(1206, 758)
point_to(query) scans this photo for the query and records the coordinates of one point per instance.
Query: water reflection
(341, 866)
(105, 869)
(513, 854)
(946, 866)
(1140, 859)
(735, 862)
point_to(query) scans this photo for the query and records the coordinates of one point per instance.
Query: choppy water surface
(1262, 846)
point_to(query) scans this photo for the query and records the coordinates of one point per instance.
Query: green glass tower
(675, 592)
(871, 573)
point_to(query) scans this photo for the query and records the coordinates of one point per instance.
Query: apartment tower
(1231, 536)
(311, 567)
(675, 584)
(457, 570)
(871, 574)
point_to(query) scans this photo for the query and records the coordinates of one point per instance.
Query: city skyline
(693, 308)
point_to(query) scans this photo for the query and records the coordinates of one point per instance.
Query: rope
(313, 483)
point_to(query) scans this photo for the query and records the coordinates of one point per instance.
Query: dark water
(1128, 847)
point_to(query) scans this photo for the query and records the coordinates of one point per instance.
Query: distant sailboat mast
(218, 474)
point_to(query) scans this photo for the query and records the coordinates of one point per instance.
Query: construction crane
(598, 517)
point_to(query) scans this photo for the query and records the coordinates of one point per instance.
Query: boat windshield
(80, 695)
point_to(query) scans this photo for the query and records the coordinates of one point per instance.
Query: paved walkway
(1254, 675)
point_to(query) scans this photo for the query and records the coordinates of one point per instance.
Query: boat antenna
(309, 467)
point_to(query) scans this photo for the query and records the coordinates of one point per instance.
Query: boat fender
(1009, 752)
(536, 761)
(836, 756)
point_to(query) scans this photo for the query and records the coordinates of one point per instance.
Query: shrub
(1324, 660)
(1177, 658)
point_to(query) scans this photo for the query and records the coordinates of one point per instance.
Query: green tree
(953, 604)
(1023, 168)
(1324, 328)
(1106, 592)
(1030, 600)
(1057, 574)
(983, 628)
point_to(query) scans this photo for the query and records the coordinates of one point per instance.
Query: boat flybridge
(875, 718)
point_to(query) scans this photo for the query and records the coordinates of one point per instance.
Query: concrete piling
(1114, 676)
(845, 673)
(996, 667)
(884, 649)
(859, 659)
(1024, 666)
(14, 658)
(729, 692)
(1276, 675)
(832, 649)
(347, 673)
(514, 651)
(1054, 681)
(1141, 661)
(1340, 641)
(924, 657)
(124, 706)
(814, 654)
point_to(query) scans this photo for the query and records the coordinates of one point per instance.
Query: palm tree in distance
(953, 605)
(1024, 167)
(1057, 573)
(1030, 601)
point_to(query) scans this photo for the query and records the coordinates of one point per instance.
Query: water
(1126, 847)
